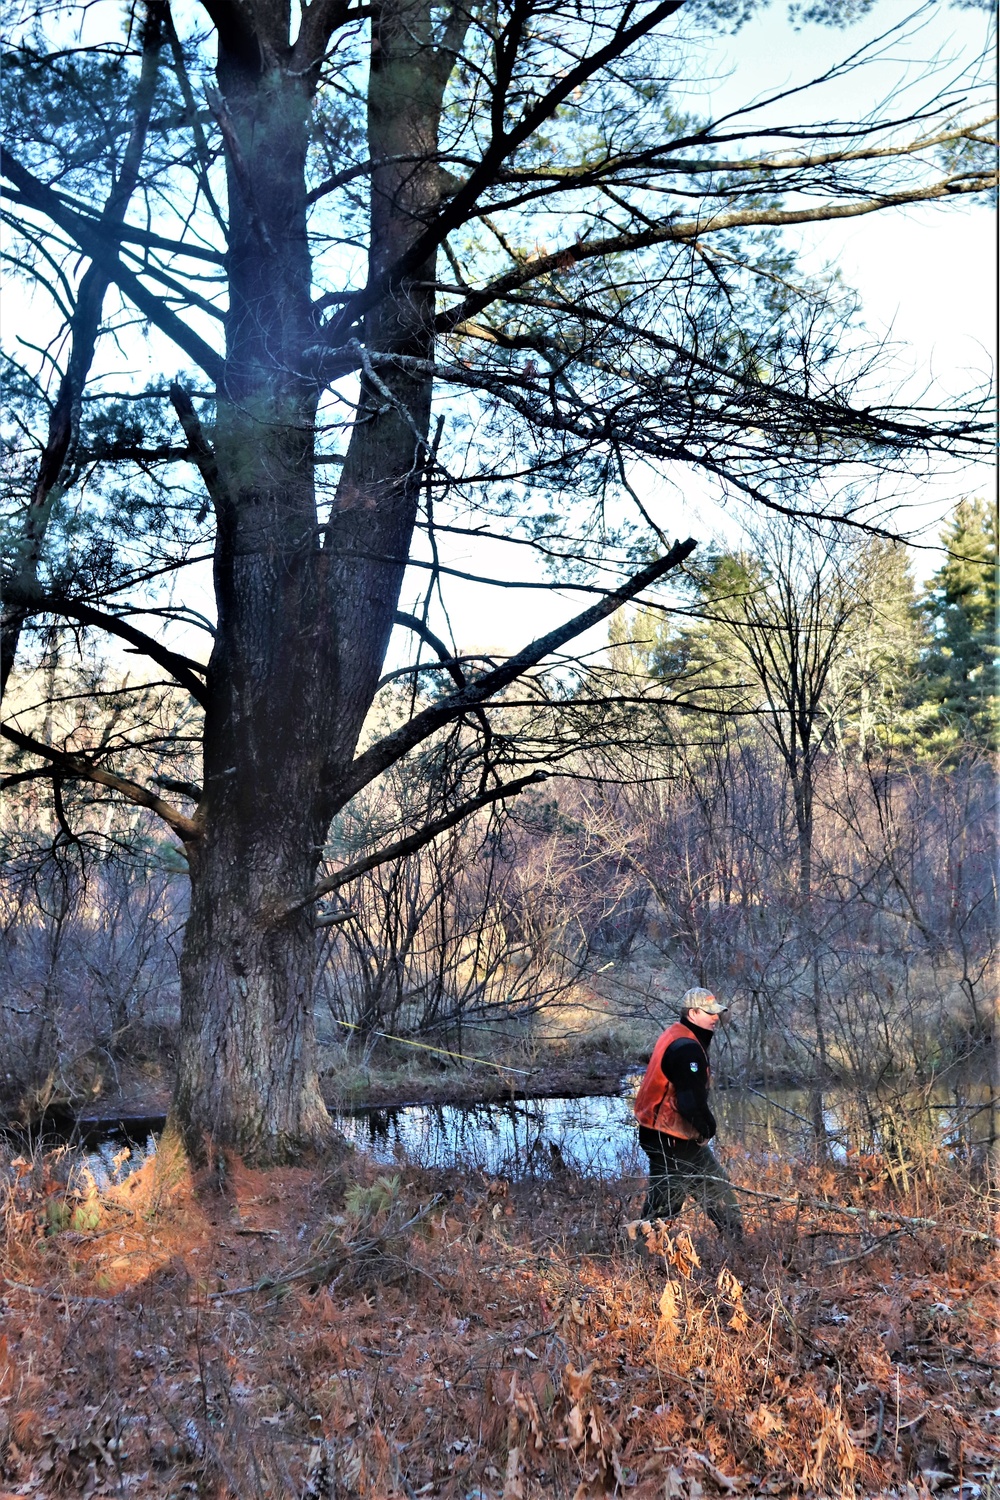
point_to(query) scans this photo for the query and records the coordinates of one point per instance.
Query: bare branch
(394, 746)
(200, 447)
(80, 769)
(102, 249)
(680, 231)
(182, 668)
(408, 845)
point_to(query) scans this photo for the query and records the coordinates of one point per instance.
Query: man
(676, 1124)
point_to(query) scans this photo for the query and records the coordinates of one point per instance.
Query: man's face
(703, 1018)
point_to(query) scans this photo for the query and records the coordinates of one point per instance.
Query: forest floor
(329, 1331)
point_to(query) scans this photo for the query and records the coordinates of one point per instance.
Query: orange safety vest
(656, 1102)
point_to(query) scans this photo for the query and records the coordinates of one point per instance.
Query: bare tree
(480, 927)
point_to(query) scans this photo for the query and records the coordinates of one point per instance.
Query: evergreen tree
(873, 682)
(959, 701)
(703, 660)
(869, 684)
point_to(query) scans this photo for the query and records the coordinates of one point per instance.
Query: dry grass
(575, 1055)
(337, 1333)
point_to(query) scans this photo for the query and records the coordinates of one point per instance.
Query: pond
(596, 1136)
(517, 1138)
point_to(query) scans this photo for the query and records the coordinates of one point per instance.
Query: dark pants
(683, 1169)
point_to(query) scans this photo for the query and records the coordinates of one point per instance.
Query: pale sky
(927, 276)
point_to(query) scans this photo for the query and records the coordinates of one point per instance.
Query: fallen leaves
(513, 1489)
(732, 1292)
(576, 1423)
(504, 1365)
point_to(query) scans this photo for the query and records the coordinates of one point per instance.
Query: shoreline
(135, 1113)
(134, 1116)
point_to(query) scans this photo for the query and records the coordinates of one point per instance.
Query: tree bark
(376, 506)
(247, 1074)
(303, 621)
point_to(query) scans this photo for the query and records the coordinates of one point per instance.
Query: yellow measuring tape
(444, 1051)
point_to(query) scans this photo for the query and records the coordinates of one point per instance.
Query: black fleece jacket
(685, 1063)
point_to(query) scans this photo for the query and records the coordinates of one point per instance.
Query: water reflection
(513, 1139)
(597, 1135)
(890, 1124)
(118, 1157)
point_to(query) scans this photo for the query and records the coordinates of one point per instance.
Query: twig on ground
(318, 1269)
(51, 1296)
(882, 1240)
(871, 1215)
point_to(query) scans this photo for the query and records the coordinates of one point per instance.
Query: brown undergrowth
(318, 1332)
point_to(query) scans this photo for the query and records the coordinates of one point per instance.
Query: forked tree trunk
(303, 619)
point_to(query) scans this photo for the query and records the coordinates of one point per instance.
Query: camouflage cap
(697, 999)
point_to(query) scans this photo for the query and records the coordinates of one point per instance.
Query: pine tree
(704, 661)
(959, 695)
(872, 685)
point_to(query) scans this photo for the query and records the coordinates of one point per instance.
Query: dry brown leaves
(510, 1349)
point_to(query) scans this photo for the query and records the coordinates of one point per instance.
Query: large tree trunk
(303, 622)
(247, 1069)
